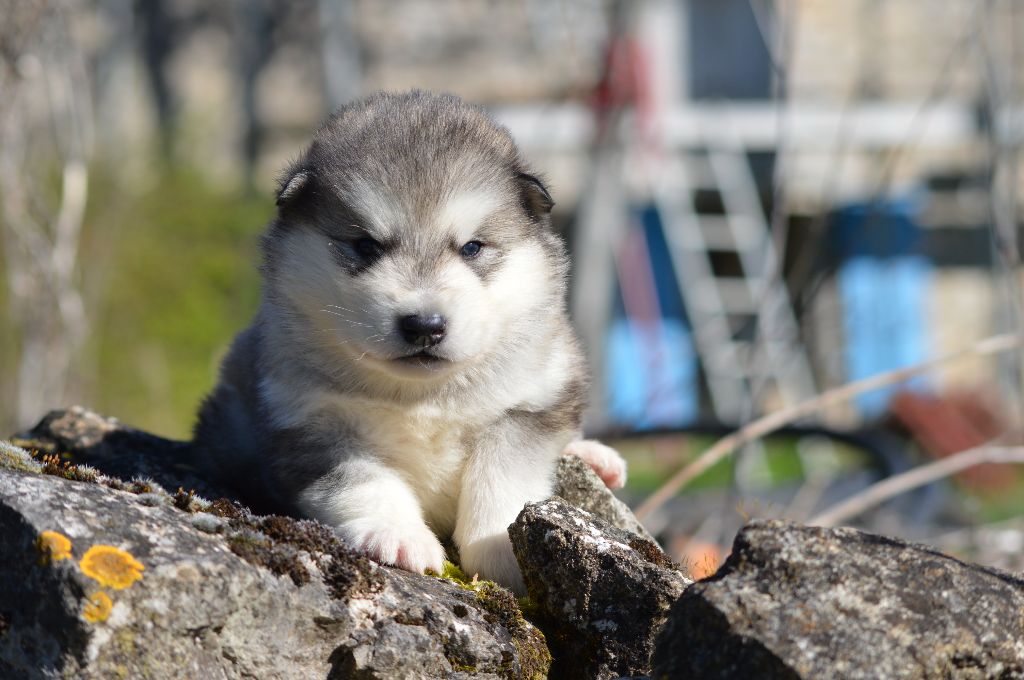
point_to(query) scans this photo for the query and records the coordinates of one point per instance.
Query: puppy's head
(413, 240)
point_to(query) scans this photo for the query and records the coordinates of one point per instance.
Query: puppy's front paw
(492, 558)
(407, 545)
(604, 460)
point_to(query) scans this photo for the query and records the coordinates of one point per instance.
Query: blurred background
(764, 200)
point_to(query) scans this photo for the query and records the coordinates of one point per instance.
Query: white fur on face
(381, 207)
(420, 273)
(317, 287)
(463, 213)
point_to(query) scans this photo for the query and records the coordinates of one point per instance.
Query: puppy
(411, 372)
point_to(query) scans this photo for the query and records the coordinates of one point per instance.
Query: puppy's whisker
(347, 320)
(351, 311)
(332, 312)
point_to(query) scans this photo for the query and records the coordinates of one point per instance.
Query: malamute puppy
(411, 372)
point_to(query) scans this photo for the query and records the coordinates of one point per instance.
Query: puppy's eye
(368, 248)
(471, 249)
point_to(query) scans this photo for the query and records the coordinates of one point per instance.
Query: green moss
(259, 550)
(275, 542)
(452, 572)
(13, 457)
(52, 464)
(528, 607)
(532, 650)
(532, 656)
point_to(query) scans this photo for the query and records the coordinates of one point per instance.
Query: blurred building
(847, 170)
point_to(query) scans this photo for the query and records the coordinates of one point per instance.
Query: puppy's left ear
(291, 185)
(536, 198)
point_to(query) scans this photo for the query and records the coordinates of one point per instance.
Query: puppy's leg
(604, 460)
(376, 512)
(506, 470)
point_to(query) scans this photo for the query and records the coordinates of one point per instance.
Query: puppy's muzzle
(423, 331)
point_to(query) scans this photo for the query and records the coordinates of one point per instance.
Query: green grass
(180, 280)
(651, 463)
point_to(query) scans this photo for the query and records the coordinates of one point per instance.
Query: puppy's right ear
(535, 197)
(291, 185)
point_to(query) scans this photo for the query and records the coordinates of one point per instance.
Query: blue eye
(471, 249)
(368, 248)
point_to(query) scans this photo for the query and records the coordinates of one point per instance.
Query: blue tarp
(651, 375)
(883, 286)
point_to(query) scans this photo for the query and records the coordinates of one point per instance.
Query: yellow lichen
(111, 566)
(98, 607)
(53, 547)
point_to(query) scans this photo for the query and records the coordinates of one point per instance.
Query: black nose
(425, 331)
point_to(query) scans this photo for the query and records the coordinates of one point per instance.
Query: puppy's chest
(428, 447)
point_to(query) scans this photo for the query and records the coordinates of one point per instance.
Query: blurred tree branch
(46, 129)
(890, 487)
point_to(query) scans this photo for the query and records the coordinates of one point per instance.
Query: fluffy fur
(324, 408)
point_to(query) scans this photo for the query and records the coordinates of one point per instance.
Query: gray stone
(578, 485)
(243, 596)
(84, 445)
(599, 593)
(85, 437)
(803, 602)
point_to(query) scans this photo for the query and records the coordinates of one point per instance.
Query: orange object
(111, 566)
(97, 607)
(701, 558)
(53, 547)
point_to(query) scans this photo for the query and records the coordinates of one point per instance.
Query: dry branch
(773, 421)
(45, 124)
(911, 479)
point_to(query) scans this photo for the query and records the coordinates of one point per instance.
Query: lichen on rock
(230, 591)
(111, 567)
(297, 602)
(97, 607)
(53, 547)
(231, 594)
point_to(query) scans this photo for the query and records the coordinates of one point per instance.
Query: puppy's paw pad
(407, 546)
(603, 460)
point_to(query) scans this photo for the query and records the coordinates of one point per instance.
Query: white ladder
(720, 307)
